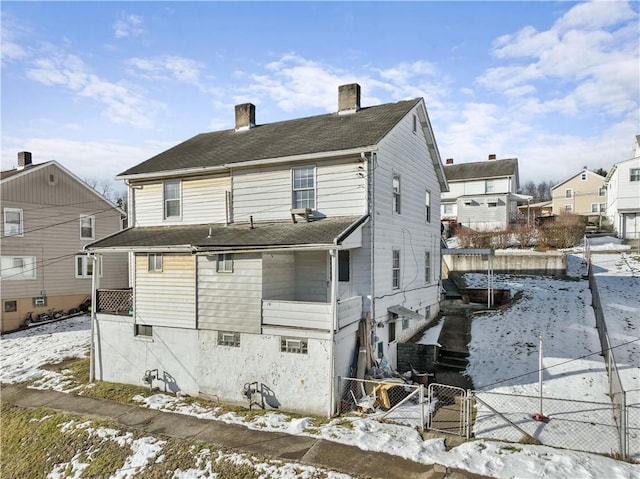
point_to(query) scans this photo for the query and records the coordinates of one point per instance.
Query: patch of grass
(511, 449)
(33, 443)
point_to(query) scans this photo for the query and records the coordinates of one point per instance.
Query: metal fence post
(422, 420)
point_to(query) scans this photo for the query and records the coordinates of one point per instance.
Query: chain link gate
(449, 410)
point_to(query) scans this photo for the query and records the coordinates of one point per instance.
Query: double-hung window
(303, 187)
(489, 186)
(568, 193)
(427, 206)
(395, 185)
(634, 174)
(225, 263)
(87, 226)
(602, 191)
(13, 225)
(172, 192)
(395, 269)
(427, 267)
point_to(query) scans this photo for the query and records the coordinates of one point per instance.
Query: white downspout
(372, 218)
(95, 278)
(333, 254)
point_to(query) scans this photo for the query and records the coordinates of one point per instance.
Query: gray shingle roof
(482, 169)
(330, 132)
(283, 233)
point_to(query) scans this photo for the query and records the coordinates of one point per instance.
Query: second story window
(602, 191)
(568, 193)
(634, 174)
(303, 186)
(87, 226)
(583, 176)
(395, 269)
(489, 186)
(13, 222)
(427, 207)
(395, 185)
(172, 199)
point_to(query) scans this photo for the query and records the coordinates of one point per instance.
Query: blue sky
(102, 86)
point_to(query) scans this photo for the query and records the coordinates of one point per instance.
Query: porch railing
(115, 301)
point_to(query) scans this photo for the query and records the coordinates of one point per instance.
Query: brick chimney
(24, 159)
(245, 116)
(492, 156)
(449, 161)
(348, 98)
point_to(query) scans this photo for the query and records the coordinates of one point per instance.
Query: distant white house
(623, 194)
(482, 195)
(274, 254)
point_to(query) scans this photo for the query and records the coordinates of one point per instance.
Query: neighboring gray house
(482, 195)
(623, 194)
(259, 252)
(49, 215)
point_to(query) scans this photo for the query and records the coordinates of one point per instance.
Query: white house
(623, 194)
(482, 195)
(259, 252)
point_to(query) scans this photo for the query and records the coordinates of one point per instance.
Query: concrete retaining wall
(524, 262)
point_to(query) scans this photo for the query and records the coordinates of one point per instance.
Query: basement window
(294, 345)
(143, 330)
(229, 338)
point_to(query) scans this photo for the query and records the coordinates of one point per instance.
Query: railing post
(422, 421)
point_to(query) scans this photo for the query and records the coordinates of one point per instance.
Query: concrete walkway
(317, 452)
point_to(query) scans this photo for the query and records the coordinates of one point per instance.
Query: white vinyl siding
(166, 298)
(230, 302)
(13, 222)
(266, 193)
(202, 201)
(478, 187)
(311, 272)
(87, 226)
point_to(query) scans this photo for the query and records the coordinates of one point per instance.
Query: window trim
(20, 212)
(297, 203)
(602, 191)
(415, 124)
(396, 194)
(391, 330)
(395, 269)
(224, 263)
(10, 306)
(344, 265)
(165, 200)
(583, 176)
(489, 186)
(92, 220)
(152, 262)
(634, 174)
(568, 193)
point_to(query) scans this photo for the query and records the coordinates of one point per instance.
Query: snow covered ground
(504, 359)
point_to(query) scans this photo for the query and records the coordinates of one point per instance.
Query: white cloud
(128, 25)
(587, 61)
(167, 67)
(86, 159)
(123, 103)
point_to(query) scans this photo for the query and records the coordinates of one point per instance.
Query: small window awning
(405, 313)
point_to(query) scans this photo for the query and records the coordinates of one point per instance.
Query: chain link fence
(391, 399)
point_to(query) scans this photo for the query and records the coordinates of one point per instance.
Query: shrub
(566, 231)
